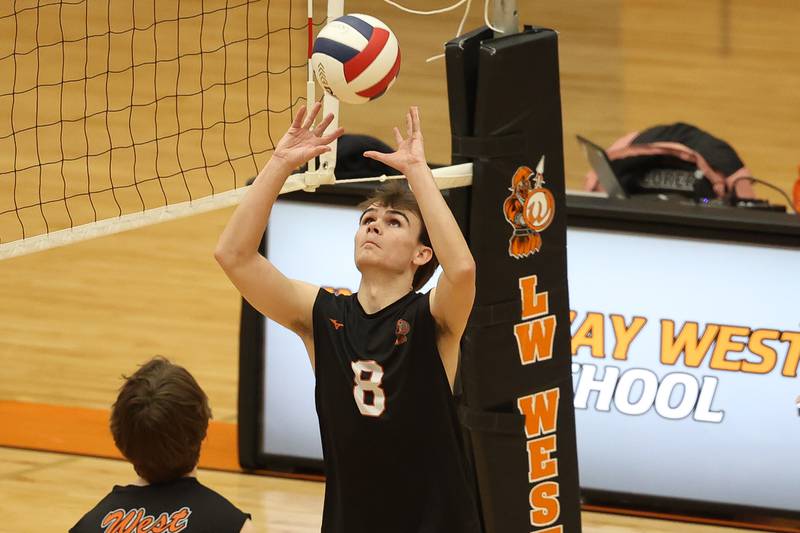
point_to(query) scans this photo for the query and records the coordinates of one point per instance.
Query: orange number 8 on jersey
(367, 391)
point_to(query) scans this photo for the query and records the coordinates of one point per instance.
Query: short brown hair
(396, 194)
(159, 420)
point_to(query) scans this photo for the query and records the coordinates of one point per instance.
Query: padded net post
(517, 401)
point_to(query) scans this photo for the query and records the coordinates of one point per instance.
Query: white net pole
(505, 17)
(330, 104)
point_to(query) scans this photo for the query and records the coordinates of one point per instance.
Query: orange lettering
(725, 345)
(757, 347)
(136, 521)
(625, 334)
(590, 333)
(161, 524)
(793, 354)
(535, 339)
(144, 525)
(540, 464)
(112, 517)
(179, 520)
(686, 342)
(533, 303)
(540, 411)
(128, 522)
(545, 506)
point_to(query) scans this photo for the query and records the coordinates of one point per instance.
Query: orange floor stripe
(83, 431)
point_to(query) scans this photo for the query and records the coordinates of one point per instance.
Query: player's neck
(376, 293)
(141, 482)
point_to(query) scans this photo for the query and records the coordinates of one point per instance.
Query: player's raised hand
(410, 151)
(302, 143)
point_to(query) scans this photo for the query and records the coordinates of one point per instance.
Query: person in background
(159, 422)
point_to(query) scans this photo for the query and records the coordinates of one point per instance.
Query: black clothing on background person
(180, 505)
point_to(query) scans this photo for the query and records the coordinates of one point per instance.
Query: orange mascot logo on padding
(529, 209)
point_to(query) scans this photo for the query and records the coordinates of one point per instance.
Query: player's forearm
(242, 234)
(446, 238)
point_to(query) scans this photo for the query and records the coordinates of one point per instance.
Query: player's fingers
(415, 119)
(318, 151)
(320, 129)
(298, 118)
(397, 136)
(377, 156)
(332, 136)
(313, 114)
(409, 129)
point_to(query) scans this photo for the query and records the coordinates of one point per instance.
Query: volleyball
(356, 58)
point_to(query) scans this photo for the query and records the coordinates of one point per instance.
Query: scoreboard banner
(685, 363)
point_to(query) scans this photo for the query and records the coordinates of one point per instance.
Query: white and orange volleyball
(356, 58)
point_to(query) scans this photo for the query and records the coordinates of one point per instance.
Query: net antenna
(311, 93)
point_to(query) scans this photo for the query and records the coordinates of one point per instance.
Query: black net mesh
(111, 107)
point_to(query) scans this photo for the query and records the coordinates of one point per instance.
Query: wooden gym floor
(73, 319)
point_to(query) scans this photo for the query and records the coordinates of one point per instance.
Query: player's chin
(366, 257)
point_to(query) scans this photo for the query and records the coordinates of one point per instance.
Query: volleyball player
(158, 422)
(385, 357)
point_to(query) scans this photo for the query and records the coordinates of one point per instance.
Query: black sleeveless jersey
(181, 505)
(394, 459)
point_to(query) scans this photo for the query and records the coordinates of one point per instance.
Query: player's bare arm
(452, 299)
(287, 302)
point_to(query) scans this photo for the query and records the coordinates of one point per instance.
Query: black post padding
(462, 70)
(462, 75)
(506, 113)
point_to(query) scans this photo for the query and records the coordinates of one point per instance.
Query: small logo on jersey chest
(401, 331)
(336, 324)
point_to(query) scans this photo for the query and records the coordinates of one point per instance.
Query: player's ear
(422, 255)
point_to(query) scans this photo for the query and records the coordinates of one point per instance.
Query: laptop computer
(602, 166)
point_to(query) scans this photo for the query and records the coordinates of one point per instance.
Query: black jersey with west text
(394, 460)
(181, 505)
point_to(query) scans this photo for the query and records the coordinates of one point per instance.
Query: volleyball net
(121, 114)
(116, 108)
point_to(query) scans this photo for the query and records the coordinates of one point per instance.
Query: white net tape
(446, 178)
